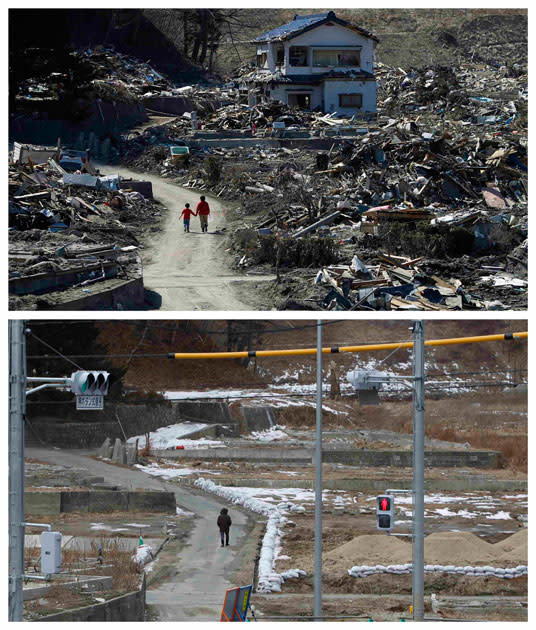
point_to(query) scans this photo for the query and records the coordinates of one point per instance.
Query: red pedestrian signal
(384, 513)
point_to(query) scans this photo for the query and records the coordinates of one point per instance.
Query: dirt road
(201, 571)
(191, 272)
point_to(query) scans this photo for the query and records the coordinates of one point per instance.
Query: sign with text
(95, 403)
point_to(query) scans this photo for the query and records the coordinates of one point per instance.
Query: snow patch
(268, 580)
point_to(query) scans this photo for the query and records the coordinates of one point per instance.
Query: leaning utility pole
(318, 479)
(17, 408)
(418, 472)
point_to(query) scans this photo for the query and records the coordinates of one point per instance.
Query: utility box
(50, 552)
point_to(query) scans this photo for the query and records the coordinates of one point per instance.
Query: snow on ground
(200, 443)
(171, 473)
(181, 512)
(481, 505)
(137, 525)
(268, 579)
(269, 435)
(107, 528)
(170, 437)
(212, 393)
(504, 516)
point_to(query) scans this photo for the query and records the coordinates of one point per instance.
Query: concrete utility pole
(17, 409)
(418, 472)
(318, 479)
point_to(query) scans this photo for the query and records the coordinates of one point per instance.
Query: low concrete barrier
(404, 459)
(395, 459)
(99, 501)
(128, 607)
(151, 502)
(129, 294)
(297, 456)
(42, 502)
(110, 501)
(89, 584)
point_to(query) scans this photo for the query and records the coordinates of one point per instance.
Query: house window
(279, 56)
(339, 58)
(351, 100)
(298, 56)
(301, 100)
(261, 60)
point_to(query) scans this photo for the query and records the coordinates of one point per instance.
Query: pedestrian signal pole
(418, 472)
(318, 479)
(17, 405)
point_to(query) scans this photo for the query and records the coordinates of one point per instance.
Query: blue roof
(302, 23)
(298, 24)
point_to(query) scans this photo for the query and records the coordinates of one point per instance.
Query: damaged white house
(317, 61)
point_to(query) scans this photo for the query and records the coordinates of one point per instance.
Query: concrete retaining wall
(396, 459)
(208, 412)
(98, 501)
(403, 459)
(86, 430)
(125, 295)
(320, 144)
(82, 429)
(89, 584)
(258, 454)
(258, 418)
(129, 607)
(42, 502)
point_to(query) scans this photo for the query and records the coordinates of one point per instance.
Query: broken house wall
(332, 88)
(282, 93)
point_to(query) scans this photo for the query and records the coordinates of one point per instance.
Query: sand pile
(459, 549)
(515, 547)
(443, 548)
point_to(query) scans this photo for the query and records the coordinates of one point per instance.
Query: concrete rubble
(430, 197)
(430, 194)
(72, 230)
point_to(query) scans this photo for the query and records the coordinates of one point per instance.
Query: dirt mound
(370, 549)
(444, 548)
(457, 548)
(515, 547)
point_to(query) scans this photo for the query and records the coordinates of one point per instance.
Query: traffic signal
(93, 383)
(367, 383)
(385, 512)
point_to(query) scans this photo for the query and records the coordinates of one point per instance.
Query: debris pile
(106, 73)
(394, 283)
(70, 230)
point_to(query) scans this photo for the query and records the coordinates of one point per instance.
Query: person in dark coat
(224, 523)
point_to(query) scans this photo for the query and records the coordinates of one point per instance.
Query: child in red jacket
(203, 210)
(187, 213)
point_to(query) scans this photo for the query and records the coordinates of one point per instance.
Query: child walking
(187, 213)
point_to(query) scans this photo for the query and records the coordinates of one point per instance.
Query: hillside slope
(196, 336)
(408, 37)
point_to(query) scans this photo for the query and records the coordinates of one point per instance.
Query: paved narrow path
(191, 271)
(196, 589)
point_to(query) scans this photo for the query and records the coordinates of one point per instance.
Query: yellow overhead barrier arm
(337, 349)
